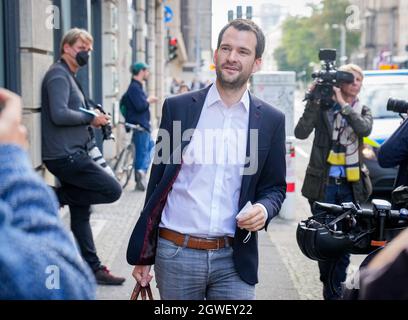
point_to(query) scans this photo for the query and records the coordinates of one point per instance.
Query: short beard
(236, 84)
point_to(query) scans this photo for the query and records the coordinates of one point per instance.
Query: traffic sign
(168, 14)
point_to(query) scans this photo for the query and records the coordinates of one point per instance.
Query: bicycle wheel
(124, 166)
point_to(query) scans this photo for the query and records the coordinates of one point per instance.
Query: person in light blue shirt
(38, 258)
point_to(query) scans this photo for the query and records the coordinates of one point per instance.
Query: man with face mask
(65, 143)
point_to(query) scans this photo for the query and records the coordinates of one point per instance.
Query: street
(284, 273)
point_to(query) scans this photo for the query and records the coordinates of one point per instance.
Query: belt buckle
(218, 245)
(337, 181)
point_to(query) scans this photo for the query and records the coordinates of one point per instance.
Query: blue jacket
(137, 106)
(394, 152)
(38, 258)
(266, 186)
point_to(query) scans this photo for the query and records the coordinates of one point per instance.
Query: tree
(302, 37)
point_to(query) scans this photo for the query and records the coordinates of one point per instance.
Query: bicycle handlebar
(132, 126)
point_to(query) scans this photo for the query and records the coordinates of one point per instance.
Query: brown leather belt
(195, 242)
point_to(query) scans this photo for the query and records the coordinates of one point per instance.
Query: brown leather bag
(142, 291)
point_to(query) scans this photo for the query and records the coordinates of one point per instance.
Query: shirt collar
(213, 97)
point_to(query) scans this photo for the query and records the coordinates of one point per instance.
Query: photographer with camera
(394, 151)
(386, 276)
(66, 143)
(335, 173)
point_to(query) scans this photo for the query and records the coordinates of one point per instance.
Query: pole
(198, 31)
(343, 39)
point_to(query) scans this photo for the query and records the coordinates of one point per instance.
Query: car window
(376, 96)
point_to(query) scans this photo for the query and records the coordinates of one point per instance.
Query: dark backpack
(123, 105)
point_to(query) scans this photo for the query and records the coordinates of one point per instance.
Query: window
(10, 68)
(2, 46)
(96, 61)
(65, 20)
(66, 15)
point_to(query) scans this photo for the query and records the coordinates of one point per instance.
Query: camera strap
(88, 101)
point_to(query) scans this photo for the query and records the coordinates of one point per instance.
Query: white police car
(378, 87)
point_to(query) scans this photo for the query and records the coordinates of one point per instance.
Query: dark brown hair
(246, 25)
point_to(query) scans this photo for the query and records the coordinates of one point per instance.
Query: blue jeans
(189, 274)
(335, 194)
(143, 149)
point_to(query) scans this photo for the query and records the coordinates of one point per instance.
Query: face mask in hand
(82, 58)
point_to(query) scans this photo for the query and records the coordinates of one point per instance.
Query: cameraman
(66, 141)
(335, 173)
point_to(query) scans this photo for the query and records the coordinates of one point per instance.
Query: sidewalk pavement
(284, 273)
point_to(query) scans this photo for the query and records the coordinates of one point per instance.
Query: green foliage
(302, 37)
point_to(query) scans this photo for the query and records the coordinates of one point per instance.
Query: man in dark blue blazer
(206, 200)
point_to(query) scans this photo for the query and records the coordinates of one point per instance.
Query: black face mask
(82, 58)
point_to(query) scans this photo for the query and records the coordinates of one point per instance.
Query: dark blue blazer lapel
(196, 107)
(193, 112)
(255, 116)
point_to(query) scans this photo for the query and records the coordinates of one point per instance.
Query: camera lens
(399, 106)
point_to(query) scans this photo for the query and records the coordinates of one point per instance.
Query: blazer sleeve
(161, 148)
(271, 187)
(395, 149)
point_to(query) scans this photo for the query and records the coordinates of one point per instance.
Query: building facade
(384, 31)
(124, 31)
(191, 25)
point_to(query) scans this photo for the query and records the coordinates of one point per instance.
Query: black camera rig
(326, 78)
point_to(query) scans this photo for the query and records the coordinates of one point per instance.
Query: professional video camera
(398, 106)
(326, 78)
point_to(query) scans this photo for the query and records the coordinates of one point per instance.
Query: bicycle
(123, 167)
(347, 228)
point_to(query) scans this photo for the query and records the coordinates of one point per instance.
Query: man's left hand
(253, 220)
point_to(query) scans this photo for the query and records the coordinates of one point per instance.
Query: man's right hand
(100, 120)
(142, 275)
(11, 129)
(311, 87)
(152, 99)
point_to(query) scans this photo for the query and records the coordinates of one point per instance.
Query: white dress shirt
(204, 199)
